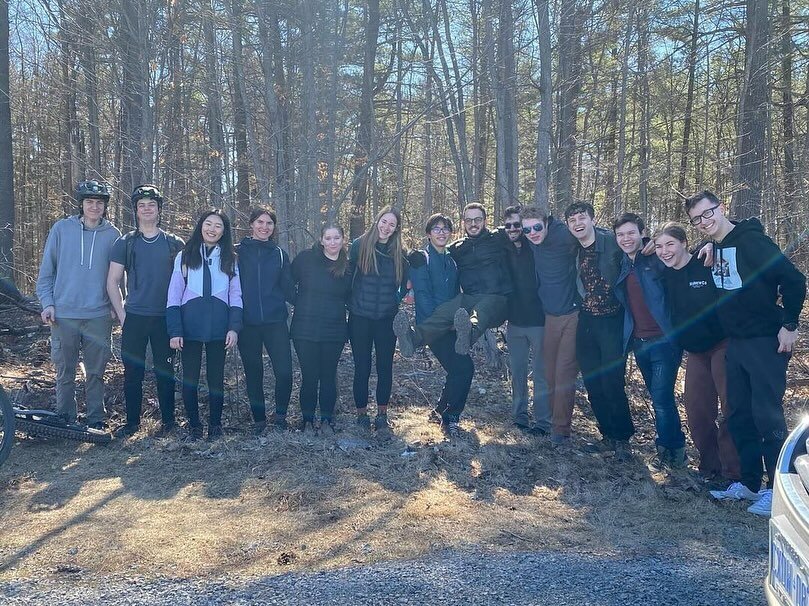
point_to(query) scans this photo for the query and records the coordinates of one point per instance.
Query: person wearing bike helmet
(71, 288)
(146, 255)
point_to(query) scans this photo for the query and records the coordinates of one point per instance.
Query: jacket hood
(248, 242)
(103, 225)
(743, 228)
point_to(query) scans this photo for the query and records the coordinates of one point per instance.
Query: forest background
(331, 109)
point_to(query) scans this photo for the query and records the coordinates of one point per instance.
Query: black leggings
(366, 334)
(318, 369)
(275, 338)
(215, 367)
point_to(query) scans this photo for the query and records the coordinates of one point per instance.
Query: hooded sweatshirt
(73, 273)
(749, 269)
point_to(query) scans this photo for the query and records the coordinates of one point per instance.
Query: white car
(788, 578)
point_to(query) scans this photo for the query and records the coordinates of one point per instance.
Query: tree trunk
(216, 135)
(569, 42)
(788, 208)
(645, 119)
(240, 113)
(6, 158)
(689, 100)
(542, 186)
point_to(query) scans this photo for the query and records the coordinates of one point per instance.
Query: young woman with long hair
(378, 285)
(319, 328)
(266, 277)
(204, 309)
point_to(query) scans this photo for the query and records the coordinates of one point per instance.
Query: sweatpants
(599, 347)
(521, 341)
(274, 337)
(318, 362)
(215, 374)
(485, 311)
(138, 332)
(705, 381)
(460, 370)
(561, 368)
(93, 338)
(366, 335)
(756, 379)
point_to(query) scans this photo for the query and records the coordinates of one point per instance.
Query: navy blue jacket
(266, 277)
(434, 282)
(650, 272)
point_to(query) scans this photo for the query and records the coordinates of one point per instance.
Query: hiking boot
(463, 332)
(660, 462)
(435, 417)
(165, 431)
(603, 445)
(214, 432)
(126, 431)
(382, 426)
(364, 422)
(451, 429)
(259, 427)
(736, 492)
(403, 332)
(279, 421)
(623, 451)
(762, 507)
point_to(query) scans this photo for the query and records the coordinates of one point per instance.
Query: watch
(790, 326)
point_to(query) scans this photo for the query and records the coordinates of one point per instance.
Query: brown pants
(561, 368)
(705, 381)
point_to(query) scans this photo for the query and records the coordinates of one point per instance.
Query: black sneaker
(382, 426)
(214, 432)
(126, 431)
(451, 429)
(259, 427)
(194, 433)
(435, 417)
(166, 431)
(279, 421)
(403, 332)
(328, 426)
(603, 445)
(307, 425)
(623, 451)
(364, 422)
(463, 332)
(98, 426)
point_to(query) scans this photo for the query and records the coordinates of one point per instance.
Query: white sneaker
(762, 507)
(736, 492)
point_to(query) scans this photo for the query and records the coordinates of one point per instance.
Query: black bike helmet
(92, 189)
(148, 191)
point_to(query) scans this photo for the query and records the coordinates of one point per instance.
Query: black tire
(42, 430)
(6, 426)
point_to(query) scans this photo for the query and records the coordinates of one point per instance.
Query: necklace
(150, 240)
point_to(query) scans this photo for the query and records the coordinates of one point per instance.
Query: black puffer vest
(374, 296)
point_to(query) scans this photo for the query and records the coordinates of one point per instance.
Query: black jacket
(482, 265)
(321, 298)
(750, 271)
(265, 273)
(524, 305)
(373, 295)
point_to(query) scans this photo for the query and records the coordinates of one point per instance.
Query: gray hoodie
(73, 273)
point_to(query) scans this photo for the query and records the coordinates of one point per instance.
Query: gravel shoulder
(446, 578)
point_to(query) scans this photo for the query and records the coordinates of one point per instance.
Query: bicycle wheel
(64, 432)
(6, 426)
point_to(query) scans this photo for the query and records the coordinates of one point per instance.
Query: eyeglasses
(475, 220)
(147, 192)
(515, 225)
(440, 230)
(705, 215)
(537, 228)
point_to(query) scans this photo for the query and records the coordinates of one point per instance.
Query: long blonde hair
(368, 241)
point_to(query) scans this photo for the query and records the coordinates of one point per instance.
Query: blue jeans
(659, 361)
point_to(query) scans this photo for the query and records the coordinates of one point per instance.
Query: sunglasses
(515, 225)
(537, 228)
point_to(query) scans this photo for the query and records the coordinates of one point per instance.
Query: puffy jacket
(266, 277)
(376, 295)
(650, 272)
(320, 303)
(205, 303)
(434, 282)
(482, 265)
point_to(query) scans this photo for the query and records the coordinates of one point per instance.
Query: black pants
(275, 338)
(756, 382)
(215, 372)
(460, 370)
(138, 332)
(599, 349)
(366, 334)
(318, 362)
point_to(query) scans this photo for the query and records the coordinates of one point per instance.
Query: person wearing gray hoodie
(71, 288)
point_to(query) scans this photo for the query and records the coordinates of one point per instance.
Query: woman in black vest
(266, 287)
(319, 328)
(378, 285)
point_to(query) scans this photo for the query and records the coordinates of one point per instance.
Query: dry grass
(291, 501)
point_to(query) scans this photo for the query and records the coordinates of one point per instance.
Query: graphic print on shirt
(726, 270)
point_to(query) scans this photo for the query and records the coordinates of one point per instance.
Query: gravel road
(448, 578)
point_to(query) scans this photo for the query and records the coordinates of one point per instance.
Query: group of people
(575, 296)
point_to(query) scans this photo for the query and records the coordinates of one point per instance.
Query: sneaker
(328, 426)
(214, 432)
(126, 431)
(403, 332)
(678, 459)
(259, 427)
(523, 427)
(603, 445)
(736, 492)
(463, 332)
(660, 462)
(451, 429)
(279, 421)
(536, 430)
(623, 451)
(165, 431)
(364, 422)
(194, 433)
(557, 439)
(435, 417)
(762, 507)
(98, 425)
(381, 425)
(307, 425)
